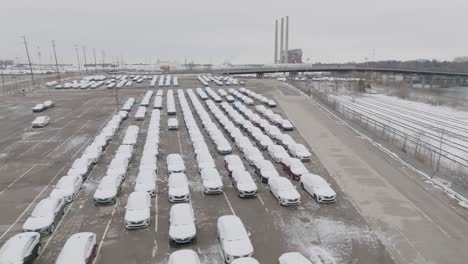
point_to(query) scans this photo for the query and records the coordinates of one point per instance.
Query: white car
(230, 98)
(232, 163)
(277, 153)
(79, 248)
(21, 248)
(182, 227)
(38, 108)
(67, 187)
(175, 163)
(41, 121)
(246, 260)
(158, 101)
(211, 181)
(286, 141)
(81, 167)
(253, 155)
(318, 188)
(107, 190)
(294, 168)
(45, 216)
(184, 256)
(123, 114)
(284, 191)
(234, 239)
(223, 147)
(244, 184)
(286, 125)
(293, 258)
(137, 213)
(300, 152)
(265, 170)
(172, 123)
(179, 190)
(49, 104)
(146, 181)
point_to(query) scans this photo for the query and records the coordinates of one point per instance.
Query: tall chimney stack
(286, 42)
(281, 58)
(276, 42)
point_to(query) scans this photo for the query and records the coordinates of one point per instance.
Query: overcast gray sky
(238, 30)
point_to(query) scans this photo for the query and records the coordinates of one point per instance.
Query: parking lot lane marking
(68, 139)
(37, 144)
(106, 230)
(17, 179)
(229, 203)
(37, 196)
(261, 200)
(180, 146)
(155, 249)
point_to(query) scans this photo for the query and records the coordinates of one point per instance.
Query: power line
(56, 62)
(29, 60)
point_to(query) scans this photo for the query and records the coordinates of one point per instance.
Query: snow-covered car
(182, 227)
(276, 119)
(184, 256)
(265, 170)
(79, 248)
(286, 125)
(273, 132)
(230, 98)
(244, 184)
(140, 113)
(286, 140)
(81, 167)
(253, 155)
(223, 147)
(45, 216)
(175, 163)
(271, 103)
(38, 108)
(284, 191)
(67, 188)
(123, 114)
(293, 258)
(263, 141)
(137, 211)
(318, 188)
(294, 168)
(300, 152)
(146, 181)
(172, 123)
(234, 238)
(158, 101)
(179, 190)
(246, 260)
(107, 190)
(233, 163)
(21, 249)
(277, 153)
(49, 104)
(211, 181)
(41, 121)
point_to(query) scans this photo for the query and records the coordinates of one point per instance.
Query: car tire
(302, 186)
(38, 250)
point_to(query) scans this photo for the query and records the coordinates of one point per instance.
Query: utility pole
(95, 63)
(85, 63)
(116, 92)
(102, 55)
(29, 60)
(78, 58)
(56, 62)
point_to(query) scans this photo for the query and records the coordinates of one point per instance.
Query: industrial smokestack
(281, 41)
(286, 42)
(276, 42)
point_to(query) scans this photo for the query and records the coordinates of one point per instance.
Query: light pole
(78, 58)
(29, 60)
(116, 92)
(56, 61)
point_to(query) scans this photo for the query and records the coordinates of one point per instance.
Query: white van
(234, 239)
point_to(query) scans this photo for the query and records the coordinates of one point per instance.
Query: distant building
(295, 56)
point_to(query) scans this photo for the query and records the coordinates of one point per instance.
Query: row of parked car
(170, 103)
(111, 184)
(275, 118)
(138, 208)
(26, 246)
(158, 100)
(91, 82)
(262, 99)
(210, 177)
(290, 161)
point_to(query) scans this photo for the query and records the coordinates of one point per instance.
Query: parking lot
(32, 160)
